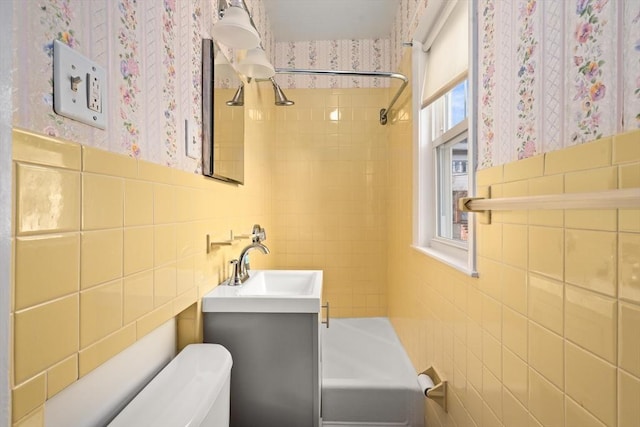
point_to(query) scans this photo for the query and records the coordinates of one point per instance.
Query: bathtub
(367, 378)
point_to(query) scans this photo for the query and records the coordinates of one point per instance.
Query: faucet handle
(234, 280)
(258, 234)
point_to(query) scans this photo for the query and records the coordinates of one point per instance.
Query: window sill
(452, 261)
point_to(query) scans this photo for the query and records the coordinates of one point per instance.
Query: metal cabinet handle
(327, 307)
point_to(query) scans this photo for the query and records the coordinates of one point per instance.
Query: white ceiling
(302, 20)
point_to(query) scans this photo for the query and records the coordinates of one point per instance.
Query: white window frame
(425, 206)
(457, 133)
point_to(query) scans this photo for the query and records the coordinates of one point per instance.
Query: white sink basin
(269, 291)
(279, 283)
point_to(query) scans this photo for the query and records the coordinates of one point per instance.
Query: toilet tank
(192, 390)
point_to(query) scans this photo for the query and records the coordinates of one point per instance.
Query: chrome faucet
(240, 267)
(243, 262)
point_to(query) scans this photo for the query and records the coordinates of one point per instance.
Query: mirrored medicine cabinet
(222, 116)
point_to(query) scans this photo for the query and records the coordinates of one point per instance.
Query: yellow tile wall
(329, 194)
(108, 247)
(548, 335)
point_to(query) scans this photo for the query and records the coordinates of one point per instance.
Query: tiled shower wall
(547, 336)
(330, 194)
(107, 247)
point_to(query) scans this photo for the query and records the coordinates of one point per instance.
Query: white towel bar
(611, 199)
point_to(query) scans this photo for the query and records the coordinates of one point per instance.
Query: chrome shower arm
(383, 112)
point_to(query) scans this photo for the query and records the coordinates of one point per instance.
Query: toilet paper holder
(437, 392)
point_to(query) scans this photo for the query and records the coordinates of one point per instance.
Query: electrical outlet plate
(79, 87)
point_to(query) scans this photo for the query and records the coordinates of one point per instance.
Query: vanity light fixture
(238, 98)
(237, 30)
(235, 27)
(256, 65)
(281, 99)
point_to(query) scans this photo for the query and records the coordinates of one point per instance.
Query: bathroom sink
(279, 282)
(269, 291)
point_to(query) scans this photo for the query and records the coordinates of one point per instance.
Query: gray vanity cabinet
(275, 378)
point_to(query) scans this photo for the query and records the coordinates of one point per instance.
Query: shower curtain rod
(383, 112)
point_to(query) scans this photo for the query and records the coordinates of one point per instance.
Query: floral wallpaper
(527, 59)
(487, 68)
(551, 81)
(359, 55)
(406, 21)
(129, 85)
(169, 87)
(490, 70)
(592, 78)
(631, 59)
(550, 75)
(195, 130)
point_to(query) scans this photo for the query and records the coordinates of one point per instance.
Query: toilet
(192, 390)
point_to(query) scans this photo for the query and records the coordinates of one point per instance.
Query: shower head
(281, 99)
(238, 98)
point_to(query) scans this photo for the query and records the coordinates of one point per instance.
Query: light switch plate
(191, 147)
(79, 87)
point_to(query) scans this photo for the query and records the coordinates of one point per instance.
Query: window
(445, 144)
(449, 138)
